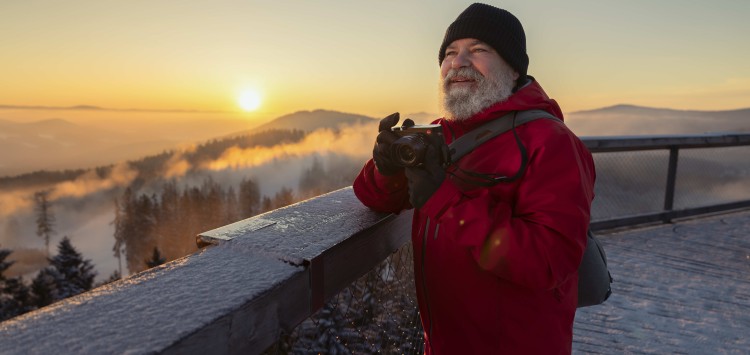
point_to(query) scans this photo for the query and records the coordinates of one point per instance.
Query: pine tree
(169, 226)
(119, 224)
(139, 231)
(284, 197)
(44, 287)
(313, 181)
(14, 295)
(19, 301)
(45, 219)
(73, 274)
(267, 204)
(4, 265)
(249, 198)
(211, 209)
(124, 224)
(231, 207)
(156, 259)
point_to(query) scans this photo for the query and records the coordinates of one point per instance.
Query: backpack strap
(469, 141)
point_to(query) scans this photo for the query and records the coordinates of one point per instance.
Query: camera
(409, 150)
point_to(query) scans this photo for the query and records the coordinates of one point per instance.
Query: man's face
(474, 77)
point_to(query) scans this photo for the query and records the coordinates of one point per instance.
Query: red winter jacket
(496, 269)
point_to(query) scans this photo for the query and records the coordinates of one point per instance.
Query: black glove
(381, 154)
(425, 179)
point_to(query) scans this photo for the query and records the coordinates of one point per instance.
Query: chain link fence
(378, 313)
(712, 176)
(629, 183)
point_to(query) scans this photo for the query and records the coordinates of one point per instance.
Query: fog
(84, 208)
(72, 139)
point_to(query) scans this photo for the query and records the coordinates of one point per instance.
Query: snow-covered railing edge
(263, 276)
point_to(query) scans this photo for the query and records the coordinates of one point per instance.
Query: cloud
(90, 182)
(12, 201)
(353, 141)
(177, 165)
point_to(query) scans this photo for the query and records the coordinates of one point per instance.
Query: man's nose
(460, 60)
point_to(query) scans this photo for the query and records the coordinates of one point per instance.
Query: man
(498, 236)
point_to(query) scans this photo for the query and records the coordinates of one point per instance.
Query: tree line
(154, 227)
(168, 220)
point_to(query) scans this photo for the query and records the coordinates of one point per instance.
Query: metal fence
(639, 180)
(657, 179)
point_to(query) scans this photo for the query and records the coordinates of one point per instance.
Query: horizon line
(99, 108)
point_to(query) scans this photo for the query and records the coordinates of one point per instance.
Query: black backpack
(594, 279)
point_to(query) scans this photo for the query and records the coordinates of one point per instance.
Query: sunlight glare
(249, 100)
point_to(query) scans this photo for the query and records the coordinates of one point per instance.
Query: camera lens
(409, 150)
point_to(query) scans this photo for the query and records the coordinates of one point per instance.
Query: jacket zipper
(424, 279)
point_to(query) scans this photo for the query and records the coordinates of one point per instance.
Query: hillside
(153, 166)
(639, 120)
(309, 121)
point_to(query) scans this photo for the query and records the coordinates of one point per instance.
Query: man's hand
(381, 154)
(424, 180)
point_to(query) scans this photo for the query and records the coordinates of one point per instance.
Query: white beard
(462, 102)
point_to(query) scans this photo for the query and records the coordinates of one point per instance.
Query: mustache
(465, 72)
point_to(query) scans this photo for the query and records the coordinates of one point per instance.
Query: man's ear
(518, 82)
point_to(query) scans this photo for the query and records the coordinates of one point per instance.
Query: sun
(249, 100)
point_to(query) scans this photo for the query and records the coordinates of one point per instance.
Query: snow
(149, 311)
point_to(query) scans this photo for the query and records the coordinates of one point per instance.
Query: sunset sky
(366, 57)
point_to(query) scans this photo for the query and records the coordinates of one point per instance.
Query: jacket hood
(529, 97)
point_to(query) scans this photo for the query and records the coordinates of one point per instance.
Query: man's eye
(480, 49)
(450, 53)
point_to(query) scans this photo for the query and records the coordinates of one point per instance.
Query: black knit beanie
(496, 27)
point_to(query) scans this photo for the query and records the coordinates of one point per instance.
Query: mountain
(639, 120)
(309, 121)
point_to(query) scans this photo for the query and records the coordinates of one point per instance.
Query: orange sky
(367, 57)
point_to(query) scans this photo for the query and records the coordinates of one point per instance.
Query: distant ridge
(98, 108)
(627, 119)
(9, 127)
(52, 122)
(627, 108)
(309, 121)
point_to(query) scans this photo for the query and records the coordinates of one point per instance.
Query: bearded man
(498, 236)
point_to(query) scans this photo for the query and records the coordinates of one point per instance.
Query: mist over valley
(291, 158)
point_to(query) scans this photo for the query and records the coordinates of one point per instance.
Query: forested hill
(311, 120)
(152, 166)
